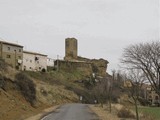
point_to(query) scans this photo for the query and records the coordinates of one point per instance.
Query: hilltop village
(31, 82)
(18, 58)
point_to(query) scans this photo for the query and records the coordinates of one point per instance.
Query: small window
(9, 48)
(30, 67)
(30, 61)
(19, 57)
(20, 50)
(36, 58)
(8, 56)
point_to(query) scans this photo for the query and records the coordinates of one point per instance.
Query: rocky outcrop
(84, 65)
(99, 66)
(75, 66)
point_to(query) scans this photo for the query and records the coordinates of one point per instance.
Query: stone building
(50, 62)
(12, 54)
(71, 49)
(72, 66)
(33, 61)
(73, 62)
(152, 96)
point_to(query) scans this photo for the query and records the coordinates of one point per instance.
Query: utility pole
(15, 58)
(57, 62)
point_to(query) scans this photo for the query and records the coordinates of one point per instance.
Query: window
(9, 48)
(30, 68)
(30, 61)
(36, 58)
(20, 50)
(19, 57)
(8, 56)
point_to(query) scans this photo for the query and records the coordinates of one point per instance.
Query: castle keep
(71, 49)
(73, 62)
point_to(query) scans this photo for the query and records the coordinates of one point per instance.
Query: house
(33, 61)
(50, 62)
(152, 96)
(12, 54)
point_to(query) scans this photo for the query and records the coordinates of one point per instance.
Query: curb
(43, 114)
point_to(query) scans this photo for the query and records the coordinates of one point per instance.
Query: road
(72, 112)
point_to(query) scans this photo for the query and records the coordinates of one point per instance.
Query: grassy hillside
(27, 93)
(69, 81)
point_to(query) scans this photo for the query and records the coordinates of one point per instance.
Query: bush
(1, 81)
(3, 65)
(27, 87)
(144, 102)
(125, 113)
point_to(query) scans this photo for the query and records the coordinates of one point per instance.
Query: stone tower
(71, 49)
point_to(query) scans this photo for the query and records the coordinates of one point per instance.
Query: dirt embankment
(14, 104)
(22, 95)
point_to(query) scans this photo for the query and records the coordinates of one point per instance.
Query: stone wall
(99, 66)
(71, 66)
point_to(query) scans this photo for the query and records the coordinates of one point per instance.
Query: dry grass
(54, 94)
(104, 113)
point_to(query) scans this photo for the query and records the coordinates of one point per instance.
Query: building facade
(12, 54)
(33, 61)
(50, 62)
(71, 49)
(152, 96)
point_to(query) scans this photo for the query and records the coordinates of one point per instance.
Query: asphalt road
(72, 112)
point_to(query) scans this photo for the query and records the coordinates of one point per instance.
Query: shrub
(1, 81)
(3, 65)
(143, 101)
(125, 113)
(27, 87)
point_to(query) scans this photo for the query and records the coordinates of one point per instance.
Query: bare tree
(137, 79)
(145, 57)
(102, 91)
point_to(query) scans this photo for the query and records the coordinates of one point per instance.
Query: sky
(103, 28)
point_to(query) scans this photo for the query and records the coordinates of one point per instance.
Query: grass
(151, 111)
(66, 79)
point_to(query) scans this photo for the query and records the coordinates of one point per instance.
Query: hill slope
(24, 94)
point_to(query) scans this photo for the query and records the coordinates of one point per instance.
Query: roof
(8, 43)
(34, 53)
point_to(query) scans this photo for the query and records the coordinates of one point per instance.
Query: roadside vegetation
(151, 112)
(140, 68)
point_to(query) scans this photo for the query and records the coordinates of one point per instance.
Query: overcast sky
(103, 27)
